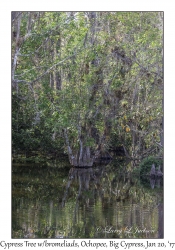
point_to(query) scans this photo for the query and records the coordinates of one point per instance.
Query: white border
(5, 95)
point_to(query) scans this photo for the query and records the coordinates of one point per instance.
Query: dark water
(99, 202)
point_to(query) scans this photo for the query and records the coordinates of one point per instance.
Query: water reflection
(99, 202)
(161, 220)
(155, 182)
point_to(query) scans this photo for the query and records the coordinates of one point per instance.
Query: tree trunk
(81, 157)
(16, 37)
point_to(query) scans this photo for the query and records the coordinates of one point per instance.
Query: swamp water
(99, 202)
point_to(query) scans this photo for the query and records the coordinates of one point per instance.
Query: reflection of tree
(83, 176)
(152, 182)
(155, 182)
(89, 185)
(90, 198)
(107, 192)
(161, 220)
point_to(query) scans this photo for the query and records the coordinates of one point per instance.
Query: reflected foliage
(99, 202)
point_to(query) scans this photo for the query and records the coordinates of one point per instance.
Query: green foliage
(146, 164)
(80, 70)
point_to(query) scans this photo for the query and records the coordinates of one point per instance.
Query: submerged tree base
(81, 162)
